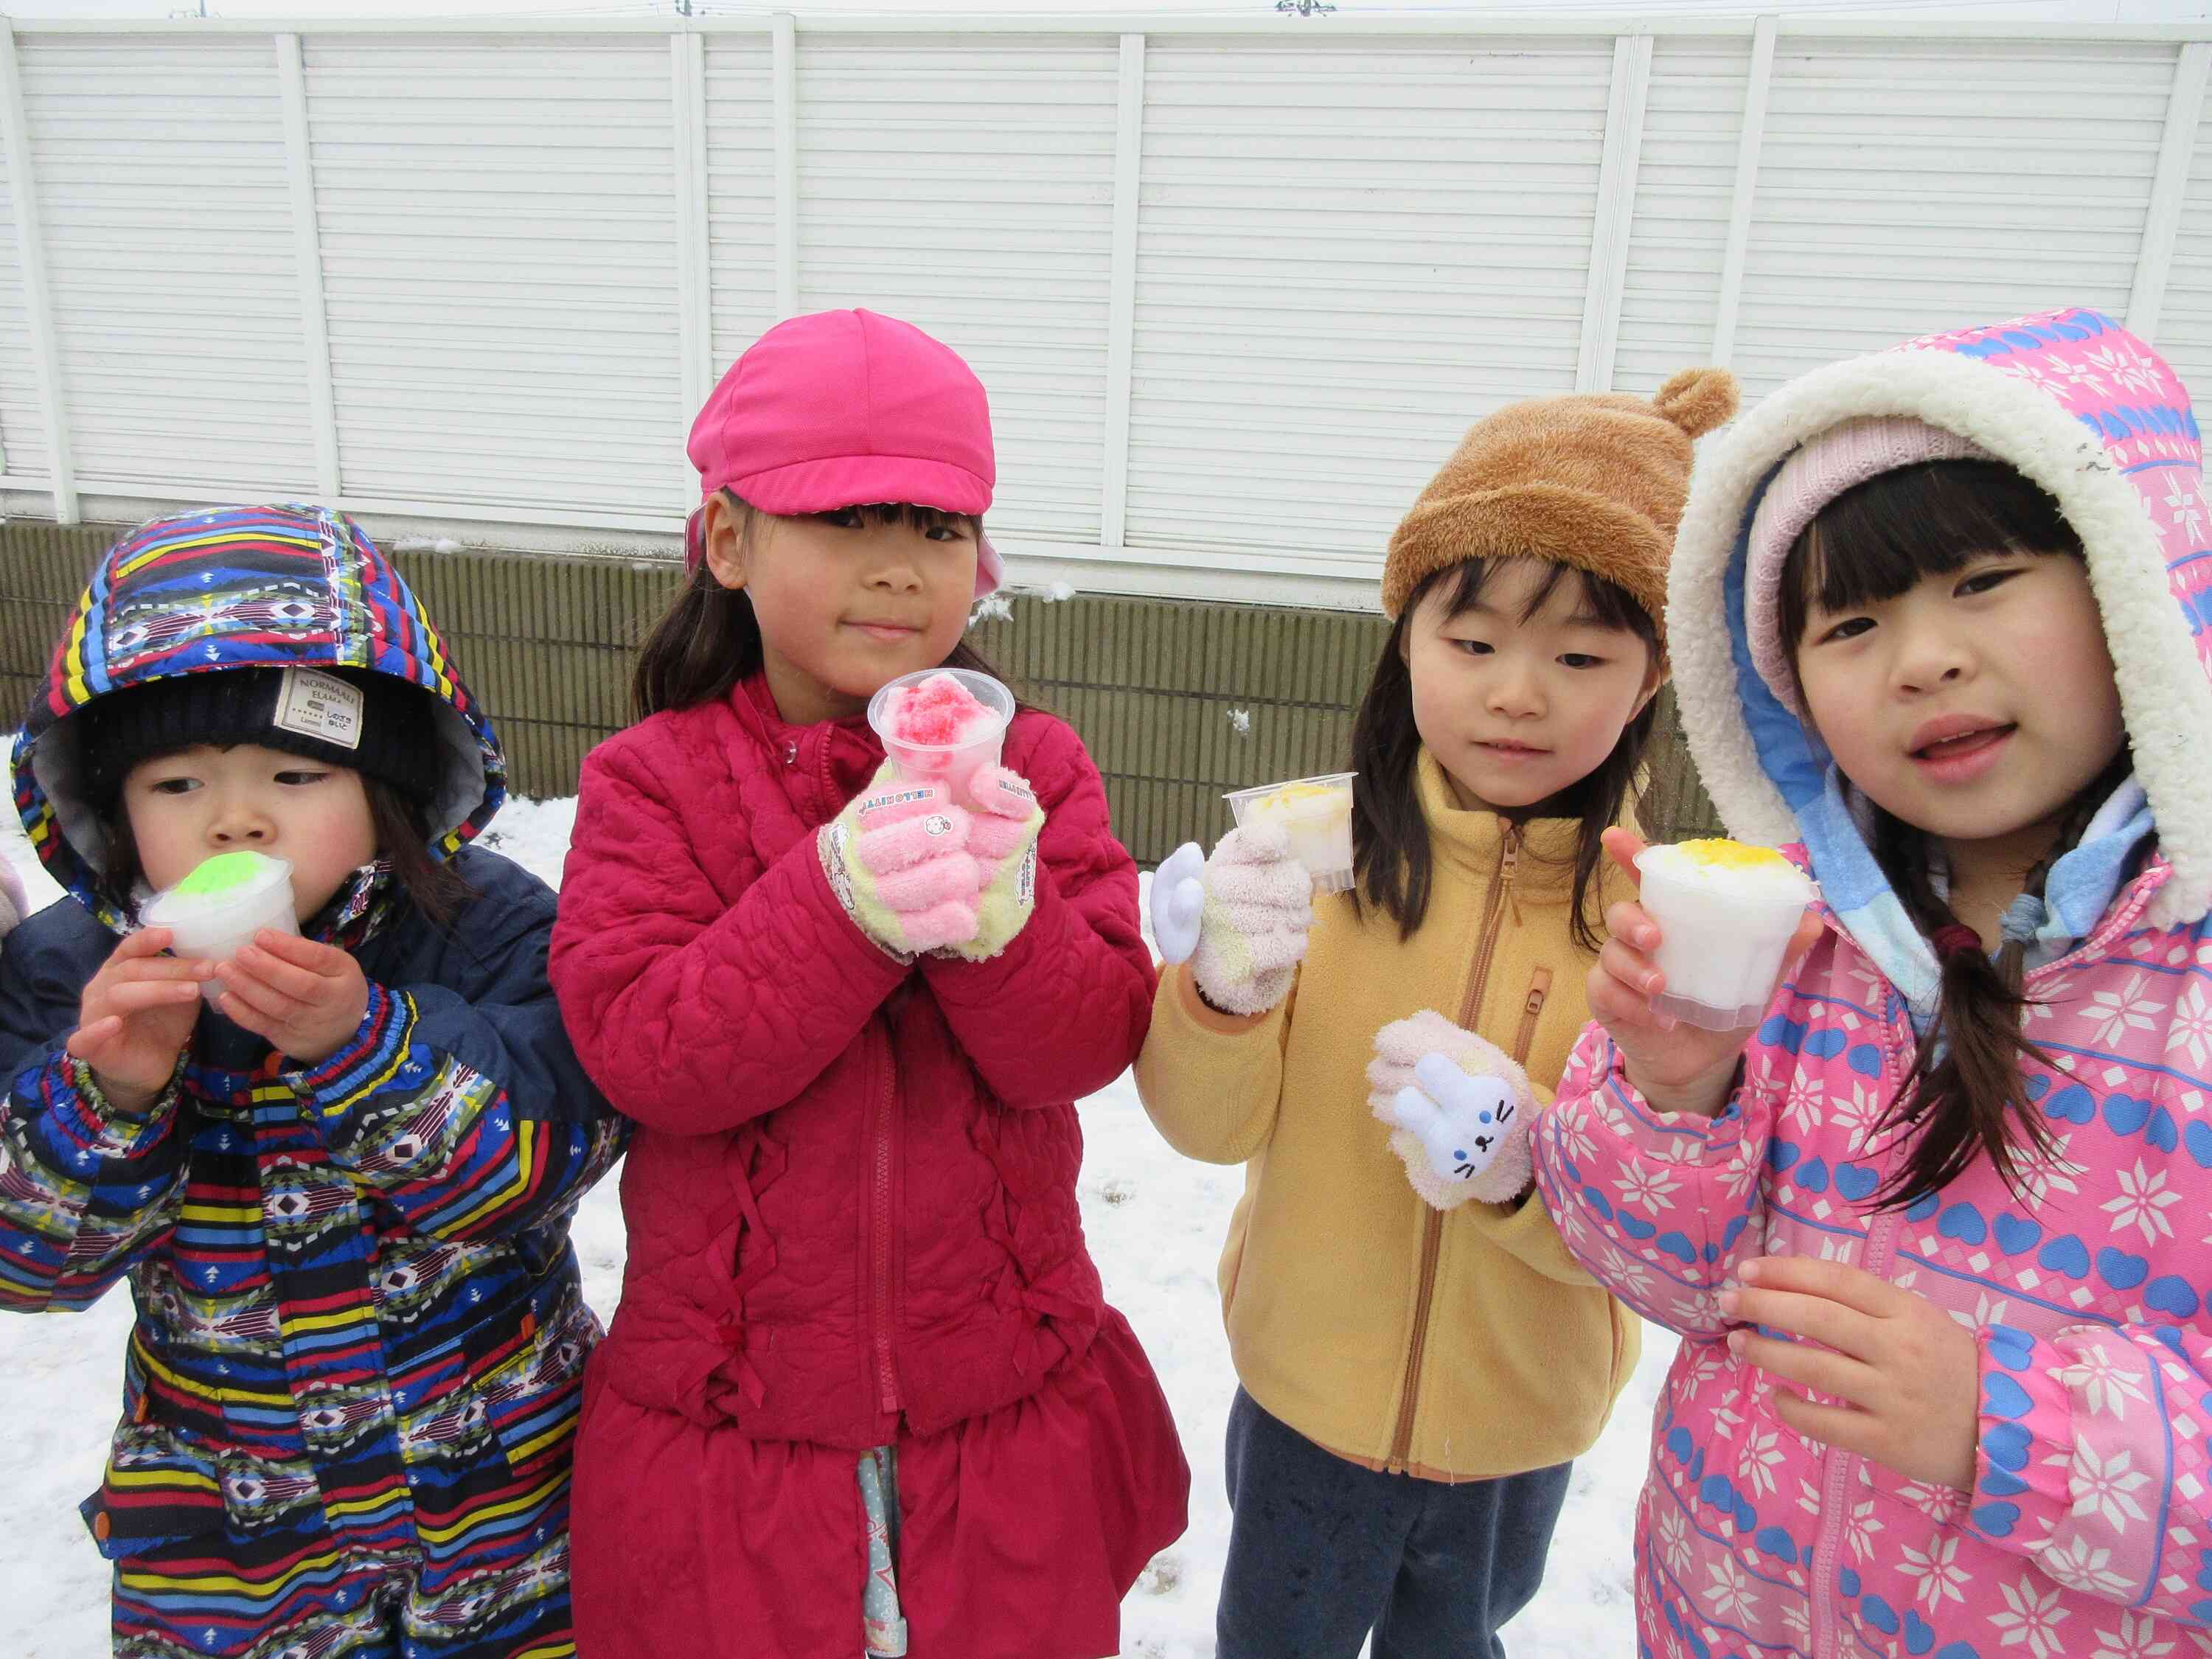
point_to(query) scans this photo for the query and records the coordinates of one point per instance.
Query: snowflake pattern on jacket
(2089, 1530)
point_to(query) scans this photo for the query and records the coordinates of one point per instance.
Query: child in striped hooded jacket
(341, 1190)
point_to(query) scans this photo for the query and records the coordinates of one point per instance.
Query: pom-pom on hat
(847, 408)
(1594, 480)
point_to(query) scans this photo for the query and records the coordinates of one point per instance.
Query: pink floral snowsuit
(2089, 1531)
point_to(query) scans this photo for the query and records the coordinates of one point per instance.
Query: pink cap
(1818, 471)
(849, 409)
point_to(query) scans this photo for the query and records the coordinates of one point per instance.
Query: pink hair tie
(1956, 938)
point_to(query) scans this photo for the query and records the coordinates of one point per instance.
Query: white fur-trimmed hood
(2087, 411)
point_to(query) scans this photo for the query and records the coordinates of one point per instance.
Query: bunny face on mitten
(1458, 1107)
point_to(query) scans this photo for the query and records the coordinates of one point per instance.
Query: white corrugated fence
(1235, 289)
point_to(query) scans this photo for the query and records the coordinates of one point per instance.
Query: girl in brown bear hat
(1419, 1355)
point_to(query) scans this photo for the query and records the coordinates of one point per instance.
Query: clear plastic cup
(1316, 813)
(214, 913)
(954, 763)
(1726, 912)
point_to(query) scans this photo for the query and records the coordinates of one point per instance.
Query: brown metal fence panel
(1178, 700)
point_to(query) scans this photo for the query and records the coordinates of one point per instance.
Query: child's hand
(1460, 1107)
(1678, 1068)
(1908, 1374)
(1003, 822)
(134, 1017)
(897, 858)
(1252, 931)
(306, 999)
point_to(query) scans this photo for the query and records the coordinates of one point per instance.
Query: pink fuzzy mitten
(1458, 1107)
(897, 858)
(1004, 821)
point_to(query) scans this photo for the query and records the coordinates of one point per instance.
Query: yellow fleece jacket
(1456, 1346)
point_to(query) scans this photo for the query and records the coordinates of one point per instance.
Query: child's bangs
(1878, 539)
(910, 516)
(1601, 603)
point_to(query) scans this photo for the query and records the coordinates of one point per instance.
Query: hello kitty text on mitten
(1458, 1107)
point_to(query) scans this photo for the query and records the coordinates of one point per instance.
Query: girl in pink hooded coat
(1933, 1232)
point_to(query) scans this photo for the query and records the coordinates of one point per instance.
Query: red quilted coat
(852, 1215)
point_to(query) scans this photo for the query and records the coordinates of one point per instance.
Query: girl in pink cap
(1934, 1229)
(863, 1392)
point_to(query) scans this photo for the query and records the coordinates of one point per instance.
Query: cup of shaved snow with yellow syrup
(215, 912)
(1726, 911)
(1315, 814)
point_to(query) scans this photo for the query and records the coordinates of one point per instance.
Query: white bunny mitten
(1178, 901)
(1458, 1107)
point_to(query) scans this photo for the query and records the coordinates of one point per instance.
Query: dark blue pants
(1321, 1551)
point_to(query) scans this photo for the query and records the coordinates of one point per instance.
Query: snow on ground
(1155, 1222)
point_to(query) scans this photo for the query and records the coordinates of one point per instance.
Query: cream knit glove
(1252, 908)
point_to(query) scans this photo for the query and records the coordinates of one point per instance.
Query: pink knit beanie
(1818, 471)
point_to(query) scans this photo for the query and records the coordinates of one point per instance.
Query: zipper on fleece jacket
(1433, 1225)
(1532, 1009)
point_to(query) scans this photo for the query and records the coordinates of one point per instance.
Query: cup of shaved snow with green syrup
(215, 912)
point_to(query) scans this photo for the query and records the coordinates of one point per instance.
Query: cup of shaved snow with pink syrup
(942, 724)
(1726, 911)
(215, 912)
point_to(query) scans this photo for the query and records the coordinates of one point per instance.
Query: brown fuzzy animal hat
(1595, 481)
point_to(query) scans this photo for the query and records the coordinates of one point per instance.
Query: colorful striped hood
(240, 587)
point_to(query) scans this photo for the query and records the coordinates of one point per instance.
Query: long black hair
(1392, 859)
(708, 640)
(1873, 543)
